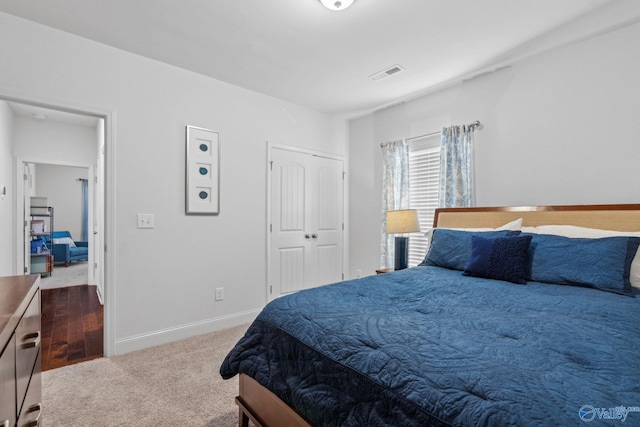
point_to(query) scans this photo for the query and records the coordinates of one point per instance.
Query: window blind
(424, 185)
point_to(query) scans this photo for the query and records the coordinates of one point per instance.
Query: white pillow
(514, 225)
(576, 232)
(65, 240)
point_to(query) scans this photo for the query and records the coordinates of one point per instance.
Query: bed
(462, 340)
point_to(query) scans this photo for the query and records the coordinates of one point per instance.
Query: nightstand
(384, 270)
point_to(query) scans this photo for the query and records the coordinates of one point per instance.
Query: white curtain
(395, 191)
(456, 167)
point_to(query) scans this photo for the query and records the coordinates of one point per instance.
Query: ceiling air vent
(387, 73)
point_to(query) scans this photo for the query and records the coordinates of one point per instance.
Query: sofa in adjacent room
(66, 250)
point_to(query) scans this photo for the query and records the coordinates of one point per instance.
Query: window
(424, 185)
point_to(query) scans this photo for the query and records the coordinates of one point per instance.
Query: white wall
(164, 279)
(54, 142)
(558, 129)
(7, 255)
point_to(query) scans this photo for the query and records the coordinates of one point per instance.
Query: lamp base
(401, 253)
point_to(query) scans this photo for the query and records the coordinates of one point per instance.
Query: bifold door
(306, 221)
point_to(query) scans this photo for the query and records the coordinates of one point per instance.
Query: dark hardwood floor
(72, 326)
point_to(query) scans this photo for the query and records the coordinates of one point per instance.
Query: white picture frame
(202, 193)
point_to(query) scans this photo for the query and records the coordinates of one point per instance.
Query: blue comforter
(428, 346)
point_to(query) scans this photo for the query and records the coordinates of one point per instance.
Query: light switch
(146, 220)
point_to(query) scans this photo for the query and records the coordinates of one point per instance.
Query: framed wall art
(202, 171)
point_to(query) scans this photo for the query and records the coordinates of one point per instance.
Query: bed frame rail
(263, 408)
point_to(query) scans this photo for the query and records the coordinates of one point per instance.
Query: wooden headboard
(608, 217)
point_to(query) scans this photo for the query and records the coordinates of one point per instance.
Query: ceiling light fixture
(337, 4)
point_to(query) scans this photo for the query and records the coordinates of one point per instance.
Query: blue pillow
(499, 258)
(452, 248)
(597, 263)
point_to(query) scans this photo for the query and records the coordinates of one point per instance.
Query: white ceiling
(299, 51)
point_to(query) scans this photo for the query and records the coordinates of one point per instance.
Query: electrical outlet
(146, 220)
(219, 294)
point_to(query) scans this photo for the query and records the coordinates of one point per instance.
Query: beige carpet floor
(176, 384)
(76, 274)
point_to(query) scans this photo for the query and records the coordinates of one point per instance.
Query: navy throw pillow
(499, 258)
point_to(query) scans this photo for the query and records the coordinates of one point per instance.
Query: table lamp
(401, 222)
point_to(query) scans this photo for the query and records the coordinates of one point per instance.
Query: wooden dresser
(20, 383)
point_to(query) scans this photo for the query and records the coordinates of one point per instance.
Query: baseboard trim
(164, 336)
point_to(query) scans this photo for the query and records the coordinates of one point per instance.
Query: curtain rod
(474, 125)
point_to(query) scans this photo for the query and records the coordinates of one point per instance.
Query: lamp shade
(402, 221)
(336, 4)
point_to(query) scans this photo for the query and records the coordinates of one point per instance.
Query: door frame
(108, 187)
(345, 205)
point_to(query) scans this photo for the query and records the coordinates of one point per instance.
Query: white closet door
(288, 243)
(306, 221)
(327, 219)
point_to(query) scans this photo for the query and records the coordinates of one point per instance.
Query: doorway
(62, 191)
(28, 114)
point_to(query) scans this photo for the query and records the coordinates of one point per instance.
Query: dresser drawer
(8, 384)
(31, 415)
(27, 347)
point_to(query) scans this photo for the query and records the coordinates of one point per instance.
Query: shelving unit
(41, 252)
